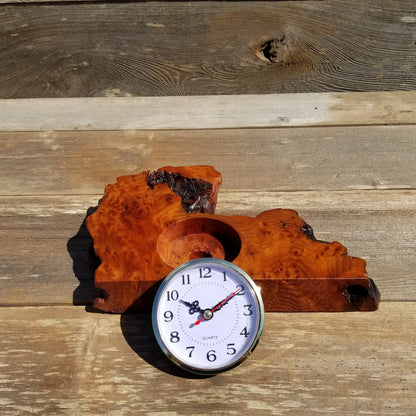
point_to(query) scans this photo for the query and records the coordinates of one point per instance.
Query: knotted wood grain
(197, 48)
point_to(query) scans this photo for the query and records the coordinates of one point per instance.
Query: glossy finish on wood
(150, 223)
(350, 174)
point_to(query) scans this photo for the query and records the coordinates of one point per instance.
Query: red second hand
(221, 303)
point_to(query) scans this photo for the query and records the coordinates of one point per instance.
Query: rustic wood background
(139, 48)
(309, 105)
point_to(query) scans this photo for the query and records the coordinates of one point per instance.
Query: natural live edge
(209, 112)
(141, 232)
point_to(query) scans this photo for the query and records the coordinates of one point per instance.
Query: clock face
(208, 316)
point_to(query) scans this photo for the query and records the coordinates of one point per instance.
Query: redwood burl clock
(148, 224)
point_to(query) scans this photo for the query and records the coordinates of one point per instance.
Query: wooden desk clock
(211, 277)
(148, 224)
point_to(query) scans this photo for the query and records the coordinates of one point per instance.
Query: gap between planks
(66, 361)
(209, 112)
(228, 201)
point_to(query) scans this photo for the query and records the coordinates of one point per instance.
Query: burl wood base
(150, 223)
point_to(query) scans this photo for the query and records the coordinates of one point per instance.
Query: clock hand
(208, 313)
(219, 305)
(193, 306)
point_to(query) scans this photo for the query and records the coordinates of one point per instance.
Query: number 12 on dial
(208, 316)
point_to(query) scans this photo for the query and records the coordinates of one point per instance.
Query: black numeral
(225, 276)
(205, 273)
(249, 311)
(186, 279)
(174, 337)
(168, 315)
(244, 332)
(241, 292)
(191, 350)
(211, 355)
(230, 349)
(172, 295)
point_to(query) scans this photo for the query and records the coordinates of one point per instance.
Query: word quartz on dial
(208, 316)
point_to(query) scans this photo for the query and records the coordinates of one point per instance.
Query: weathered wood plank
(43, 241)
(200, 48)
(328, 158)
(65, 361)
(209, 112)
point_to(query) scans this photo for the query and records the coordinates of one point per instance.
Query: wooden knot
(275, 50)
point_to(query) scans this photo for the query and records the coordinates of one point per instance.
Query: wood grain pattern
(50, 163)
(345, 182)
(43, 240)
(150, 223)
(63, 360)
(209, 112)
(136, 61)
(197, 48)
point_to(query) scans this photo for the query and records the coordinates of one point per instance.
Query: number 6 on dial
(208, 316)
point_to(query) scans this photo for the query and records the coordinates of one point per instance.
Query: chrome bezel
(251, 286)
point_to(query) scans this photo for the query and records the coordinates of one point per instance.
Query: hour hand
(192, 306)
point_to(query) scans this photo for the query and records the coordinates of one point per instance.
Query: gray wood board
(199, 48)
(65, 361)
(209, 112)
(286, 159)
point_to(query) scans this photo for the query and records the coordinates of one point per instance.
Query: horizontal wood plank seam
(265, 127)
(63, 305)
(224, 192)
(62, 2)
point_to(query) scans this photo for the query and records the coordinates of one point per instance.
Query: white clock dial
(208, 316)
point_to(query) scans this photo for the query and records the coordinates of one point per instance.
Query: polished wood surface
(354, 184)
(342, 158)
(150, 223)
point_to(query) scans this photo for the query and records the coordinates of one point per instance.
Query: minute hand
(217, 306)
